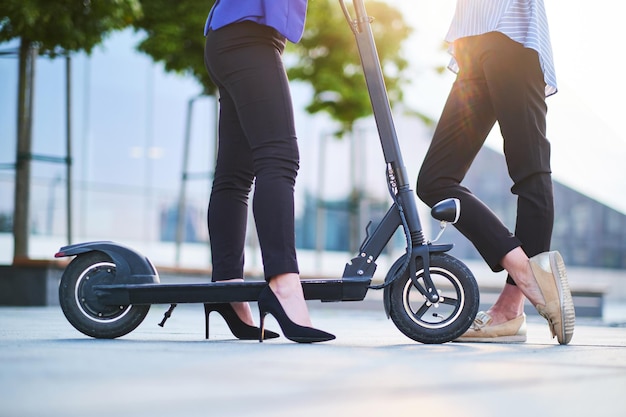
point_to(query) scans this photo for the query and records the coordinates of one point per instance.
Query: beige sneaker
(512, 331)
(551, 276)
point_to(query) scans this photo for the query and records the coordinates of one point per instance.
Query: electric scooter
(106, 291)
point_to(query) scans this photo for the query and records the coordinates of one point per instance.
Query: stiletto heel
(239, 329)
(269, 304)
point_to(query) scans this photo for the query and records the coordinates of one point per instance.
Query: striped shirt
(523, 21)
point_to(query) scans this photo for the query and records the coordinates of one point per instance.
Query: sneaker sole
(497, 339)
(568, 313)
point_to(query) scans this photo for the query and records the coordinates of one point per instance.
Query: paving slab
(47, 368)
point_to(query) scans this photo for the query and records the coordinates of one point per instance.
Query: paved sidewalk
(48, 369)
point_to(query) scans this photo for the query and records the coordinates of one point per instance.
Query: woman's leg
(260, 92)
(228, 204)
(518, 93)
(232, 182)
(486, 90)
(465, 122)
(252, 73)
(520, 107)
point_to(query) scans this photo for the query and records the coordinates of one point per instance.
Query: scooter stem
(361, 27)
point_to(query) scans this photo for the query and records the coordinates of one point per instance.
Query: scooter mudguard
(130, 266)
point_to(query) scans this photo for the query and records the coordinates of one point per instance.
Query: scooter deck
(325, 290)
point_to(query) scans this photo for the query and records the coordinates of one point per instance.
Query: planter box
(30, 283)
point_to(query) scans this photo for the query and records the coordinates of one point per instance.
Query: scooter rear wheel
(81, 305)
(439, 322)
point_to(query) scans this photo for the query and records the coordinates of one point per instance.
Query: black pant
(499, 80)
(257, 143)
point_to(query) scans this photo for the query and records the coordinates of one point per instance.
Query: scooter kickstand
(167, 314)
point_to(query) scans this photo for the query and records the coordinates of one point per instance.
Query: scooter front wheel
(442, 321)
(81, 306)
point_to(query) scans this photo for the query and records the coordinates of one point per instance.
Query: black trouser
(499, 80)
(257, 143)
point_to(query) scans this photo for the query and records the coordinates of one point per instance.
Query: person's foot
(483, 330)
(508, 306)
(517, 265)
(288, 290)
(558, 308)
(543, 280)
(239, 329)
(242, 309)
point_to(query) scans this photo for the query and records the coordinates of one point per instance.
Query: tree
(328, 59)
(62, 26)
(174, 36)
(50, 28)
(327, 56)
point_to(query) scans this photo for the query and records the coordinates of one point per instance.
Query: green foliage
(174, 36)
(327, 58)
(59, 26)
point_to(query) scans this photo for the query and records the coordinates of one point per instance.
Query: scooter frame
(135, 280)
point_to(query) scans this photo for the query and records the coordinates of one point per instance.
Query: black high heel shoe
(269, 304)
(240, 329)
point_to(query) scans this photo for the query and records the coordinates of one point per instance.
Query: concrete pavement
(47, 368)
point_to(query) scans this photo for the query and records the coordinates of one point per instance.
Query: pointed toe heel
(240, 330)
(269, 304)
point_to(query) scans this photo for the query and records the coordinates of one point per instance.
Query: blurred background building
(131, 118)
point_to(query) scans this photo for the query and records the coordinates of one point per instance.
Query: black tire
(444, 321)
(82, 308)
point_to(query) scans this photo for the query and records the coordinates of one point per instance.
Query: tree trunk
(26, 85)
